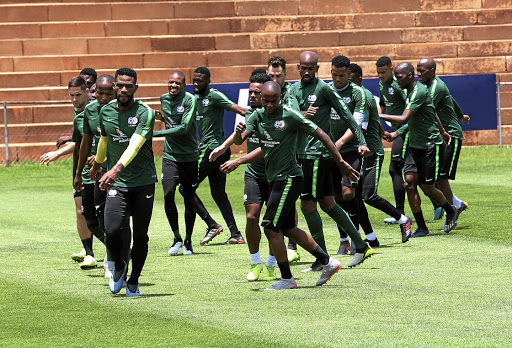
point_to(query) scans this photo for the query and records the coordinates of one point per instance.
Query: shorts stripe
(377, 173)
(315, 175)
(437, 163)
(201, 157)
(406, 142)
(454, 155)
(282, 200)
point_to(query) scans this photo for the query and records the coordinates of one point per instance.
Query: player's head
(176, 83)
(89, 75)
(355, 74)
(276, 69)
(308, 66)
(256, 83)
(270, 97)
(77, 89)
(339, 71)
(125, 86)
(105, 89)
(404, 74)
(384, 69)
(258, 71)
(91, 93)
(426, 69)
(201, 80)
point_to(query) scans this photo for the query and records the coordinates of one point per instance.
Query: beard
(126, 103)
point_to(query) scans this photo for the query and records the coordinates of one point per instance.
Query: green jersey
(78, 133)
(286, 97)
(210, 118)
(180, 131)
(393, 98)
(355, 100)
(257, 168)
(278, 140)
(119, 126)
(445, 109)
(424, 133)
(320, 94)
(92, 126)
(372, 119)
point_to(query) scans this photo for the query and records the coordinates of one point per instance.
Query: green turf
(443, 290)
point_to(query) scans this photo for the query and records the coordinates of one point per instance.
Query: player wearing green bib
(210, 106)
(93, 199)
(451, 117)
(277, 128)
(372, 165)
(126, 136)
(315, 99)
(392, 102)
(179, 162)
(423, 159)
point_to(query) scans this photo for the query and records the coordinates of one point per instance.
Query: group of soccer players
(317, 141)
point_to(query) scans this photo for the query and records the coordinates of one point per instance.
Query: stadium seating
(44, 43)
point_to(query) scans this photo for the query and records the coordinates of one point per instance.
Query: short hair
(258, 71)
(203, 70)
(77, 81)
(356, 69)
(383, 61)
(277, 61)
(127, 72)
(260, 78)
(106, 78)
(341, 62)
(90, 72)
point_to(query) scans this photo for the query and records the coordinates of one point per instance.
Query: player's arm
(345, 138)
(84, 151)
(53, 155)
(62, 140)
(229, 166)
(446, 137)
(238, 109)
(458, 111)
(337, 104)
(401, 119)
(237, 137)
(187, 122)
(101, 155)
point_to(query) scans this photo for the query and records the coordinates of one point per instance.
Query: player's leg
(336, 176)
(83, 232)
(449, 166)
(396, 165)
(89, 213)
(170, 180)
(99, 205)
(188, 180)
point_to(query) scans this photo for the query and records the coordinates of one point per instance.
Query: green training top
(393, 98)
(180, 131)
(257, 168)
(119, 126)
(372, 133)
(287, 99)
(355, 100)
(210, 117)
(320, 94)
(424, 133)
(78, 133)
(445, 109)
(278, 137)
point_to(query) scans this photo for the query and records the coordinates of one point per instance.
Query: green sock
(343, 220)
(316, 228)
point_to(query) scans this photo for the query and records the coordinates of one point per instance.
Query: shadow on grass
(142, 296)
(302, 287)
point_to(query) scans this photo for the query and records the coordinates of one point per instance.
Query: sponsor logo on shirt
(311, 98)
(180, 109)
(198, 117)
(347, 100)
(132, 121)
(391, 91)
(206, 102)
(279, 125)
(121, 138)
(334, 115)
(267, 136)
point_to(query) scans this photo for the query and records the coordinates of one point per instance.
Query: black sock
(448, 209)
(320, 255)
(87, 243)
(291, 244)
(284, 267)
(420, 221)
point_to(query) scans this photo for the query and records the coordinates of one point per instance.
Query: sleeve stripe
(413, 96)
(433, 89)
(151, 116)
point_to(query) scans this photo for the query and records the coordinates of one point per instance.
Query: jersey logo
(311, 98)
(279, 125)
(245, 198)
(334, 115)
(391, 91)
(206, 102)
(132, 121)
(180, 109)
(347, 100)
(267, 136)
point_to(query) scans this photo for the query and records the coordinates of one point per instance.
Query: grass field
(443, 290)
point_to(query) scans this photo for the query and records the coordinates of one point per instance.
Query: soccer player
(277, 128)
(256, 187)
(93, 199)
(179, 162)
(425, 150)
(372, 164)
(89, 75)
(77, 90)
(315, 99)
(126, 131)
(392, 102)
(450, 115)
(210, 106)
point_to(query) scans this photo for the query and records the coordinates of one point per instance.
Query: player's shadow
(304, 287)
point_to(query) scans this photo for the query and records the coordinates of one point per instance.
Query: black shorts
(255, 190)
(88, 208)
(174, 173)
(317, 178)
(354, 159)
(77, 193)
(425, 162)
(450, 159)
(207, 168)
(280, 213)
(399, 149)
(370, 175)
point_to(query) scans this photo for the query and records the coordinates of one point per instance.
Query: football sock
(87, 243)
(448, 209)
(345, 239)
(456, 201)
(320, 255)
(271, 261)
(402, 219)
(255, 258)
(291, 244)
(284, 267)
(371, 236)
(420, 221)
(314, 222)
(342, 219)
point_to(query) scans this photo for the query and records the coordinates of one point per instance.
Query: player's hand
(447, 139)
(77, 183)
(392, 136)
(465, 119)
(229, 166)
(348, 171)
(62, 140)
(216, 153)
(91, 160)
(311, 111)
(240, 127)
(108, 179)
(48, 157)
(363, 150)
(158, 115)
(95, 172)
(385, 135)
